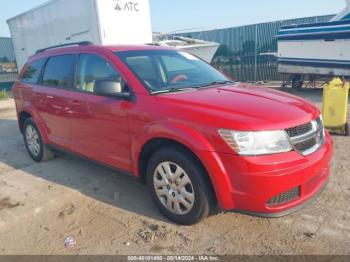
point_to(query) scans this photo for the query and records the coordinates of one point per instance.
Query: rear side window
(32, 73)
(58, 71)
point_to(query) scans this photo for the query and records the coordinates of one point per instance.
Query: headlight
(256, 143)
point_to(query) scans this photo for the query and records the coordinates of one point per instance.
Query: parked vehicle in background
(315, 51)
(203, 49)
(196, 138)
(58, 22)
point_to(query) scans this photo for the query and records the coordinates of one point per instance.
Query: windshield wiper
(172, 90)
(214, 83)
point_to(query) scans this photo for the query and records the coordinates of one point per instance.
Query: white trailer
(104, 22)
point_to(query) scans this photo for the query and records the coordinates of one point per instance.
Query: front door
(100, 128)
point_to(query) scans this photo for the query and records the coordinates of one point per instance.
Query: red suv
(196, 138)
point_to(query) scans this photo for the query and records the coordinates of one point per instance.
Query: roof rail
(84, 43)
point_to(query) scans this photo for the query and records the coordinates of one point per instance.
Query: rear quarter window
(58, 71)
(32, 72)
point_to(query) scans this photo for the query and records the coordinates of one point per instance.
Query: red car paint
(114, 131)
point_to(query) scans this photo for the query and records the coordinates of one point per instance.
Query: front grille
(299, 130)
(307, 138)
(304, 146)
(284, 197)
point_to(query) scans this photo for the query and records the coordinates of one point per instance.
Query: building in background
(8, 67)
(7, 55)
(249, 53)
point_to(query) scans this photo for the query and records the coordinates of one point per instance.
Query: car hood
(240, 107)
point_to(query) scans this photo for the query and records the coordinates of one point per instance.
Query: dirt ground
(110, 213)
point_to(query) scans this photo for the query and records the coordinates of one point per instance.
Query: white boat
(316, 49)
(343, 15)
(203, 49)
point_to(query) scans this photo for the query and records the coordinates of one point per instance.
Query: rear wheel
(36, 148)
(347, 129)
(179, 186)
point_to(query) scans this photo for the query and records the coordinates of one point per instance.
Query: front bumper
(287, 211)
(256, 180)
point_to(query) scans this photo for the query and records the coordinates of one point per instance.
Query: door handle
(36, 94)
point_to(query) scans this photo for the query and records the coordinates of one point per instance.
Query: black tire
(204, 199)
(347, 129)
(45, 153)
(297, 82)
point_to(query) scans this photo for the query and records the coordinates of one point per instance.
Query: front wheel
(179, 186)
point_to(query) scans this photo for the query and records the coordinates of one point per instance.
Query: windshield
(170, 71)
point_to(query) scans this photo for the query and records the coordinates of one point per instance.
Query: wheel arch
(156, 144)
(163, 133)
(24, 115)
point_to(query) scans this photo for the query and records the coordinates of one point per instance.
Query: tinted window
(143, 65)
(168, 70)
(92, 68)
(58, 71)
(32, 73)
(174, 64)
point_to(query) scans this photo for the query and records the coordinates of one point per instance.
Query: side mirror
(110, 88)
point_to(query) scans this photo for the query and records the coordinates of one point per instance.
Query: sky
(193, 15)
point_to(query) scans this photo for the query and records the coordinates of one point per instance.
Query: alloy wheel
(33, 140)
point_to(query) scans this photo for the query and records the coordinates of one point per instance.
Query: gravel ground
(110, 213)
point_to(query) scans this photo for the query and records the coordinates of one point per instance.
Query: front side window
(32, 72)
(58, 71)
(92, 68)
(170, 70)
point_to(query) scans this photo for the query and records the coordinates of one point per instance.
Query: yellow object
(335, 105)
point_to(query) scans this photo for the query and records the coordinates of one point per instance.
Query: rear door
(100, 130)
(55, 89)
(26, 91)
